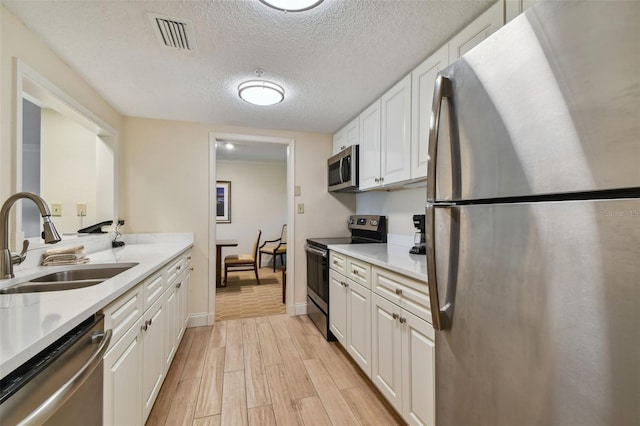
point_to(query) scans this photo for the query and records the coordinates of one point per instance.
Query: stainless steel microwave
(343, 170)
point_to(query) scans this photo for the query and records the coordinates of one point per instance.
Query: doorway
(256, 174)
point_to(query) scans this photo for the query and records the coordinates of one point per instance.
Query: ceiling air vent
(173, 33)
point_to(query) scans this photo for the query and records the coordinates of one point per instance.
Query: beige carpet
(244, 298)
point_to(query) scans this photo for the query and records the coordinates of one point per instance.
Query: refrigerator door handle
(434, 299)
(442, 89)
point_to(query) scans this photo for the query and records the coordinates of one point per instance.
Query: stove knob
(374, 222)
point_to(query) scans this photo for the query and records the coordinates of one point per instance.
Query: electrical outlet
(56, 209)
(300, 208)
(82, 209)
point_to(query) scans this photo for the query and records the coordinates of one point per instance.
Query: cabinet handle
(179, 267)
(395, 316)
(144, 327)
(403, 320)
(398, 292)
(381, 179)
(179, 284)
(335, 262)
(191, 269)
(355, 272)
(189, 258)
(377, 180)
(149, 321)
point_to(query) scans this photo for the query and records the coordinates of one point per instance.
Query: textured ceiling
(333, 60)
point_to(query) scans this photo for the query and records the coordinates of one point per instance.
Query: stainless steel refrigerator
(533, 221)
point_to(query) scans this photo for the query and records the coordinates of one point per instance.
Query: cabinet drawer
(338, 262)
(173, 270)
(121, 314)
(359, 272)
(409, 294)
(153, 288)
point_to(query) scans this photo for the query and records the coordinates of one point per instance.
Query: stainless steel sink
(74, 277)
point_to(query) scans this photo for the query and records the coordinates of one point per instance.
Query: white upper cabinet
(514, 8)
(370, 146)
(339, 140)
(474, 33)
(395, 138)
(422, 81)
(347, 136)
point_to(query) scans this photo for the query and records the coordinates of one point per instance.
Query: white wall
(16, 41)
(68, 170)
(399, 206)
(164, 176)
(258, 201)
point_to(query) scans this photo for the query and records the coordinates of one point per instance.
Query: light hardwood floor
(273, 370)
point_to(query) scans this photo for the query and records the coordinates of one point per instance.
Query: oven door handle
(59, 397)
(313, 250)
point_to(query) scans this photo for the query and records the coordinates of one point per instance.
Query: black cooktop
(324, 242)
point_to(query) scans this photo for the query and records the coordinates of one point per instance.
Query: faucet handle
(17, 259)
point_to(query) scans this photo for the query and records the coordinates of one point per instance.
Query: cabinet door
(353, 132)
(182, 300)
(386, 350)
(152, 355)
(338, 306)
(395, 139)
(422, 81)
(370, 146)
(359, 325)
(418, 370)
(339, 140)
(514, 8)
(171, 324)
(122, 380)
(477, 31)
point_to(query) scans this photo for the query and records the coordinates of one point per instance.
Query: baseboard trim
(298, 309)
(198, 320)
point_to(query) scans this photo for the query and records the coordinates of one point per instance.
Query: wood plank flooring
(274, 370)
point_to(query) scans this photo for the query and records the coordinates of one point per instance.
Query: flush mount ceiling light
(292, 5)
(260, 92)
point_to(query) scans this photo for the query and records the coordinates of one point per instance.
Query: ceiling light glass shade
(261, 92)
(292, 5)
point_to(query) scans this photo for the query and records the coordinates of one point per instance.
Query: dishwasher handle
(59, 397)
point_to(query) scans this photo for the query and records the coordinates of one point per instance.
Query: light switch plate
(297, 190)
(300, 208)
(82, 209)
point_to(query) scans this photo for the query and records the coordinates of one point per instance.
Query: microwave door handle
(340, 168)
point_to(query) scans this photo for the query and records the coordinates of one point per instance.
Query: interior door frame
(236, 137)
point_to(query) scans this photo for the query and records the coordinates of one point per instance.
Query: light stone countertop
(30, 322)
(389, 256)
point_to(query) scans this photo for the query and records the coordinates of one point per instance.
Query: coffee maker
(419, 240)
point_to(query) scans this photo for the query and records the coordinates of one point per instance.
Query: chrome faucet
(50, 233)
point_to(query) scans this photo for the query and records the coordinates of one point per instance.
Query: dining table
(219, 245)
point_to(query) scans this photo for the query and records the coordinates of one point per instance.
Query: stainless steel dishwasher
(62, 385)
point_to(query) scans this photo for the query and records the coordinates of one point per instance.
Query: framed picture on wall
(223, 201)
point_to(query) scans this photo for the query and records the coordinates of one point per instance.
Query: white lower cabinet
(386, 356)
(153, 365)
(418, 370)
(403, 361)
(122, 381)
(137, 361)
(359, 325)
(381, 319)
(350, 309)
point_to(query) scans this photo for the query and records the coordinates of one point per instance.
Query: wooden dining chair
(275, 248)
(243, 262)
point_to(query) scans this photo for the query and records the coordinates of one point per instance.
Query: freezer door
(545, 326)
(548, 104)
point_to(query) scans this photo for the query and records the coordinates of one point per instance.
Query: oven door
(318, 276)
